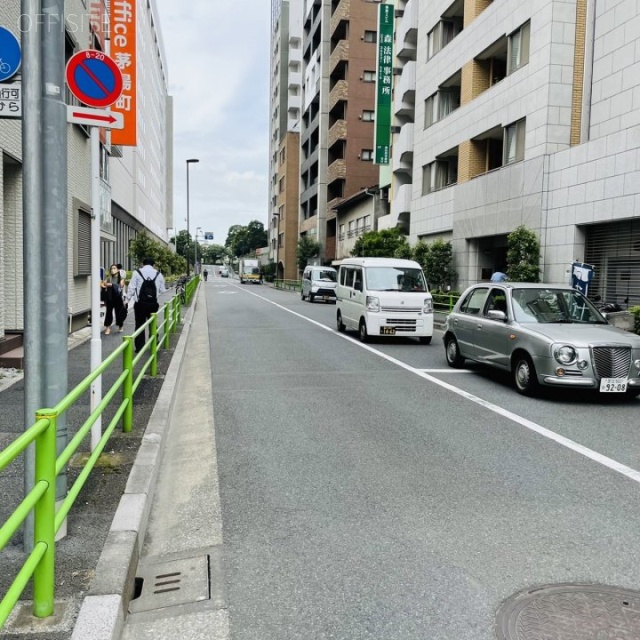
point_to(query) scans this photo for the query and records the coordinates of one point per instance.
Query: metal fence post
(154, 344)
(179, 305)
(167, 326)
(127, 385)
(174, 315)
(44, 517)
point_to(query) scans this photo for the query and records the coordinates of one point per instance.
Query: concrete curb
(104, 609)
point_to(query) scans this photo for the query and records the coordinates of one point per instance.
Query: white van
(384, 297)
(319, 283)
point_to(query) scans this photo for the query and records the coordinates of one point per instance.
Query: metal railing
(444, 302)
(290, 285)
(40, 562)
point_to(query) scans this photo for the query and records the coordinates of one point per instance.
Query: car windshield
(395, 279)
(327, 276)
(548, 305)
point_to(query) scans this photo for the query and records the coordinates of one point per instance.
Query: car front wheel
(302, 296)
(524, 375)
(341, 327)
(362, 332)
(452, 351)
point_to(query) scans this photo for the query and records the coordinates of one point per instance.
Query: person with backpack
(145, 286)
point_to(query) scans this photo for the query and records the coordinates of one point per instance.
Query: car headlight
(427, 307)
(565, 354)
(373, 304)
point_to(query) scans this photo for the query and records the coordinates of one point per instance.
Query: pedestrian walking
(147, 283)
(205, 273)
(114, 304)
(498, 276)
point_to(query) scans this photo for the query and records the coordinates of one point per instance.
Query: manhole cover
(570, 612)
(171, 583)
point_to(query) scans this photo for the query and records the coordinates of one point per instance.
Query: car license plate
(326, 297)
(387, 331)
(613, 385)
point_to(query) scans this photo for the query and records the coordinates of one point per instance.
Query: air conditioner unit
(395, 129)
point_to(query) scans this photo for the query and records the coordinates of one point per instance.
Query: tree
(245, 240)
(184, 244)
(307, 248)
(212, 253)
(380, 244)
(437, 264)
(523, 255)
(165, 260)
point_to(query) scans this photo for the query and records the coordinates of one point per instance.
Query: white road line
(605, 461)
(446, 370)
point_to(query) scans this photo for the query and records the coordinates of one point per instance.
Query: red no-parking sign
(94, 78)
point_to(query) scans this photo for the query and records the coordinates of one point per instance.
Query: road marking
(605, 461)
(446, 370)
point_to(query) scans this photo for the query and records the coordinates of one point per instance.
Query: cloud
(218, 70)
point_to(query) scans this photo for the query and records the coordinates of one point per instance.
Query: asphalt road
(371, 492)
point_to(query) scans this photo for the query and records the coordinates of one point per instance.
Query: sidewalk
(168, 522)
(89, 520)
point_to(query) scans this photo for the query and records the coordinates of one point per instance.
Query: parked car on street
(544, 335)
(319, 283)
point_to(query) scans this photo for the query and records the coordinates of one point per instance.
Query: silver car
(543, 334)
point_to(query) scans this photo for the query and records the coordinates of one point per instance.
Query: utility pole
(33, 265)
(53, 277)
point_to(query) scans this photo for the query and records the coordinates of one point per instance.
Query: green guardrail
(290, 285)
(444, 302)
(40, 563)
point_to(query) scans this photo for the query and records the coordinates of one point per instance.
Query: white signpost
(95, 117)
(10, 100)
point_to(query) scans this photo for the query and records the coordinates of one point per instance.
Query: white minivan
(384, 297)
(319, 283)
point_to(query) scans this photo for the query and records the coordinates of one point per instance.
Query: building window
(352, 228)
(441, 35)
(366, 154)
(341, 234)
(440, 105)
(514, 142)
(370, 36)
(439, 174)
(518, 54)
(367, 223)
(369, 76)
(282, 156)
(368, 116)
(83, 245)
(281, 185)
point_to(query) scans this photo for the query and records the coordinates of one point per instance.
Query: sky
(218, 69)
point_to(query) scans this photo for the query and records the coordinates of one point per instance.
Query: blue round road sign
(10, 54)
(94, 78)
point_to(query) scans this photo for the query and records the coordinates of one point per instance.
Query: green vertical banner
(384, 84)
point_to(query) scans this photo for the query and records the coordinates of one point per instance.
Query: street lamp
(190, 161)
(195, 250)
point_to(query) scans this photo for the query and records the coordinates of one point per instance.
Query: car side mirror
(494, 314)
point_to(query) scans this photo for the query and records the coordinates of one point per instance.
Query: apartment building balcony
(339, 92)
(307, 163)
(337, 170)
(307, 194)
(342, 12)
(403, 150)
(332, 204)
(337, 132)
(295, 103)
(407, 34)
(401, 202)
(405, 91)
(339, 54)
(295, 79)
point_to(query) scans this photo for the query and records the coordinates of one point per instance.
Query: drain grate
(570, 612)
(172, 583)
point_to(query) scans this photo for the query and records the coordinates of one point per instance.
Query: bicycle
(181, 290)
(5, 67)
